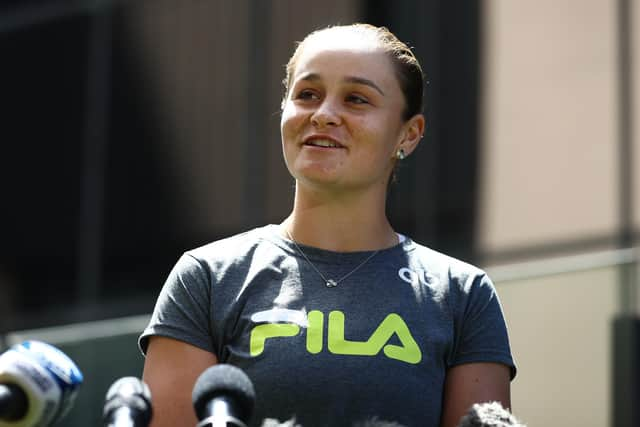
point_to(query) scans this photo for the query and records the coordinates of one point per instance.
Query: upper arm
(171, 369)
(471, 383)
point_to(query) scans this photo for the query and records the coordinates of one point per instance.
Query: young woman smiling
(336, 317)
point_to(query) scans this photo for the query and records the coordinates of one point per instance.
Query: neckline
(326, 255)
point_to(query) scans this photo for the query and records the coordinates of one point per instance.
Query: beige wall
(548, 175)
(549, 160)
(636, 111)
(560, 331)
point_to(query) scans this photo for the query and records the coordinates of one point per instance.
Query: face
(342, 118)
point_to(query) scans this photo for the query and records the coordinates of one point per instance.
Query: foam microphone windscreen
(224, 381)
(490, 414)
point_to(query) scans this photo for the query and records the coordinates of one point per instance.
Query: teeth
(322, 143)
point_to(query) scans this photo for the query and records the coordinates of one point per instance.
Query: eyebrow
(348, 79)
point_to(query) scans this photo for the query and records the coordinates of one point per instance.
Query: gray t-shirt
(377, 346)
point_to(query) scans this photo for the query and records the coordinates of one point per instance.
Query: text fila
(290, 322)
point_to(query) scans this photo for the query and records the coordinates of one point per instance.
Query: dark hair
(406, 65)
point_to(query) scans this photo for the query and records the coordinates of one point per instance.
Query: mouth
(322, 143)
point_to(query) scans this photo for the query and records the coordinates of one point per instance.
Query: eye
(306, 94)
(357, 99)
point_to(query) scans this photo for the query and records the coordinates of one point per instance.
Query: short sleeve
(182, 308)
(480, 327)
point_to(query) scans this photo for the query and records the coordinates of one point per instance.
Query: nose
(326, 115)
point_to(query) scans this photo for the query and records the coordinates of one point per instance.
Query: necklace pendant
(331, 283)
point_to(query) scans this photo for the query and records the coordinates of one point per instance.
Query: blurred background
(135, 130)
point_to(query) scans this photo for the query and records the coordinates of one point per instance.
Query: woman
(336, 318)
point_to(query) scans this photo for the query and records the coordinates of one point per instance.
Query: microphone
(13, 402)
(128, 404)
(489, 414)
(223, 396)
(38, 385)
(272, 422)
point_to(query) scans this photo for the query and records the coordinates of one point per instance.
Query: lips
(322, 142)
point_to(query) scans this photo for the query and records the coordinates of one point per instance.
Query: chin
(315, 171)
(317, 181)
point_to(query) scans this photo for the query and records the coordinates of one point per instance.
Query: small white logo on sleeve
(413, 277)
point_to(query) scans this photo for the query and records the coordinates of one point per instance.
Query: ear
(412, 132)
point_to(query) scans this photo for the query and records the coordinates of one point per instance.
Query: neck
(341, 223)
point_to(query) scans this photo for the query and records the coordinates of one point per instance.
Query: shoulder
(244, 242)
(443, 266)
(458, 281)
(259, 243)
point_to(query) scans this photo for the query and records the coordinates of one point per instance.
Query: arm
(471, 383)
(171, 369)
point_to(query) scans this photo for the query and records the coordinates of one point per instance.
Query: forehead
(351, 51)
(330, 56)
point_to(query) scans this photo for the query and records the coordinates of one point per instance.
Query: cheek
(380, 139)
(290, 121)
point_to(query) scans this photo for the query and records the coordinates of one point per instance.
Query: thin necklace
(329, 283)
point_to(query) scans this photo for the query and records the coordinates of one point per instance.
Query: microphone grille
(490, 414)
(129, 386)
(224, 380)
(132, 393)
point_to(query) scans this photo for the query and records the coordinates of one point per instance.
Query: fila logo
(289, 323)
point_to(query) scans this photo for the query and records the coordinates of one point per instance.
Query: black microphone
(489, 414)
(38, 385)
(128, 404)
(223, 396)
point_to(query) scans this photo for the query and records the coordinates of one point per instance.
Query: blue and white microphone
(38, 385)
